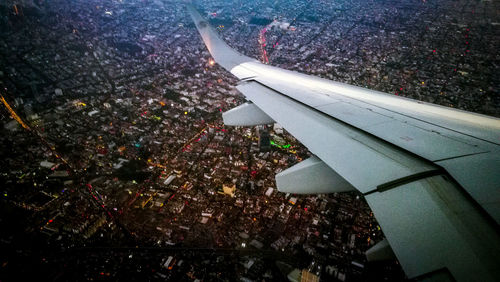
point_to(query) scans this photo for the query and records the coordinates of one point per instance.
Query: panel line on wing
(457, 157)
(405, 180)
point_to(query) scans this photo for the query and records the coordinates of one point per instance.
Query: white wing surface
(430, 174)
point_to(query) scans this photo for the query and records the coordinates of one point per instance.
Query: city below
(116, 165)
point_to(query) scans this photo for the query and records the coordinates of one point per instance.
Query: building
(302, 276)
(264, 140)
(229, 189)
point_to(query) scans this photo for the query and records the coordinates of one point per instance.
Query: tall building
(264, 140)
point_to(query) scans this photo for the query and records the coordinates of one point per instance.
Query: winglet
(224, 55)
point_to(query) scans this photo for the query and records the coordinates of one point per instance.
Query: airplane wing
(430, 174)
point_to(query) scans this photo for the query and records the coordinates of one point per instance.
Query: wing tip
(222, 53)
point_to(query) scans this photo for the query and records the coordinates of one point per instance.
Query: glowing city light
(13, 113)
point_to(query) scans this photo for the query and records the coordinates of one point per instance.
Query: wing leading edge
(408, 158)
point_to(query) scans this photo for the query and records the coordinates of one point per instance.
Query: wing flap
(431, 225)
(480, 175)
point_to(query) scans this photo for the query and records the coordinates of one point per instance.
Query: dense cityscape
(115, 163)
